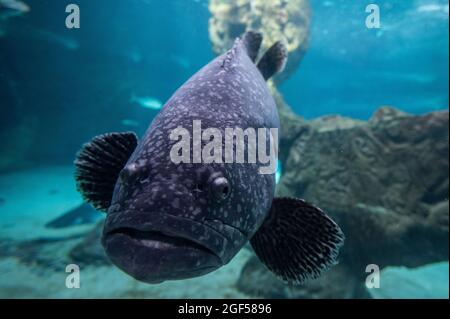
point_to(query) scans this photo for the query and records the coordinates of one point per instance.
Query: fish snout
(155, 247)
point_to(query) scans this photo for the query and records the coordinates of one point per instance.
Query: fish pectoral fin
(297, 241)
(98, 164)
(273, 61)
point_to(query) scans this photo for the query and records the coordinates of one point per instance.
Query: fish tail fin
(273, 61)
(251, 41)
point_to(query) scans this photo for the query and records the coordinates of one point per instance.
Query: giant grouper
(168, 220)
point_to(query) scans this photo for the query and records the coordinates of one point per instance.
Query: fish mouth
(154, 247)
(157, 238)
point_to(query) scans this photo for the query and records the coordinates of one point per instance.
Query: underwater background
(364, 117)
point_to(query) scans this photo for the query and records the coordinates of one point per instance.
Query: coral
(288, 21)
(385, 181)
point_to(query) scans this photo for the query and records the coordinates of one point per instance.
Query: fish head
(169, 222)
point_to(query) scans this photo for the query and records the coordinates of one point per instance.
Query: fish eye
(220, 188)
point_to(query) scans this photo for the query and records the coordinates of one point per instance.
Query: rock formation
(385, 181)
(288, 21)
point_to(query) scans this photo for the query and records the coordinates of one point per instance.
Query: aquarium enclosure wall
(363, 134)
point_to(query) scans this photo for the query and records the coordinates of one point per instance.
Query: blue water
(352, 70)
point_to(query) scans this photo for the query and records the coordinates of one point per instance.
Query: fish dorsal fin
(98, 164)
(297, 241)
(251, 41)
(273, 61)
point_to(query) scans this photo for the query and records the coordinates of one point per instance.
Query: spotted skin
(163, 222)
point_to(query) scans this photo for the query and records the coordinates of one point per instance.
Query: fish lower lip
(224, 243)
(148, 237)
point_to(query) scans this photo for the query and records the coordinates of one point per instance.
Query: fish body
(171, 219)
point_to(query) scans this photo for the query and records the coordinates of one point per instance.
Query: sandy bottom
(33, 258)
(429, 281)
(19, 281)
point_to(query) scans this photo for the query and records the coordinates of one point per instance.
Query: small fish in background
(81, 215)
(133, 55)
(147, 102)
(65, 42)
(12, 8)
(129, 122)
(328, 3)
(181, 61)
(433, 7)
(53, 192)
